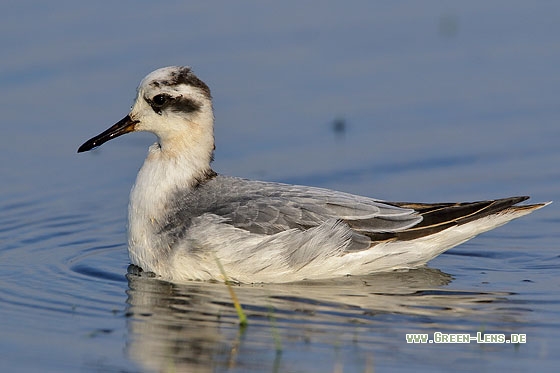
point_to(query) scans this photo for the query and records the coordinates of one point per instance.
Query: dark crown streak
(183, 75)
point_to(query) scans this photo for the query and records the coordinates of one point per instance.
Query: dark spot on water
(448, 25)
(339, 127)
(99, 332)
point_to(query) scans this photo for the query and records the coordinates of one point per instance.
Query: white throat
(173, 163)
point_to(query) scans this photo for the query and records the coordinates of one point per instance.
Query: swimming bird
(185, 220)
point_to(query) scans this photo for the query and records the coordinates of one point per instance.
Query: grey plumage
(269, 208)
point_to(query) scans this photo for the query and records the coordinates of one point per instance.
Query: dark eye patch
(163, 101)
(185, 105)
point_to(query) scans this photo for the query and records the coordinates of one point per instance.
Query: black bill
(123, 126)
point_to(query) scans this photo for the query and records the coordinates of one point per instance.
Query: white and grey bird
(184, 217)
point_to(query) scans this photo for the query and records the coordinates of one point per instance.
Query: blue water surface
(417, 101)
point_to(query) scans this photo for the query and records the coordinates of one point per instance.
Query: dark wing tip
(440, 216)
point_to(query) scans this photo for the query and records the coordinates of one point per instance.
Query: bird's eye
(160, 100)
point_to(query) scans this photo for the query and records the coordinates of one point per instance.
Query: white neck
(175, 163)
